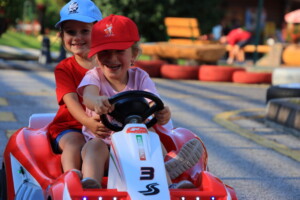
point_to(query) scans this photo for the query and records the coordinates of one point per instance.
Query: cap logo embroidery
(73, 7)
(108, 30)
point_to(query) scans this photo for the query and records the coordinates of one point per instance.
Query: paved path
(14, 53)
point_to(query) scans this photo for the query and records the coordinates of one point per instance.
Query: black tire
(3, 195)
(283, 91)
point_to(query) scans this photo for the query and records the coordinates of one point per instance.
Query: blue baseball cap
(79, 10)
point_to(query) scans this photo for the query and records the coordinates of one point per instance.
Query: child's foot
(186, 158)
(90, 183)
(78, 172)
(229, 61)
(185, 184)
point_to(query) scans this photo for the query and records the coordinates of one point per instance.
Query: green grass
(22, 40)
(144, 57)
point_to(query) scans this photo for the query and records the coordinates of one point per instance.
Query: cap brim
(110, 46)
(84, 19)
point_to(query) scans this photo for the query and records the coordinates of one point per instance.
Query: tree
(15, 10)
(52, 8)
(149, 15)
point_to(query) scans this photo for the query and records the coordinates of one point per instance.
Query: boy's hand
(102, 131)
(163, 116)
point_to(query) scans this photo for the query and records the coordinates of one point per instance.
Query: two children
(115, 42)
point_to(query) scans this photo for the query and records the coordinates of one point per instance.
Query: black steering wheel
(132, 107)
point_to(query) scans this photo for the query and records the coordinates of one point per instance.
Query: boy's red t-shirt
(68, 75)
(237, 35)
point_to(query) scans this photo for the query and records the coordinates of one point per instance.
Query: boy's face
(115, 63)
(77, 37)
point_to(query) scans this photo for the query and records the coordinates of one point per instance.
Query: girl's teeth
(113, 66)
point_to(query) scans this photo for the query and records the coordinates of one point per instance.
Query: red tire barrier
(152, 67)
(179, 71)
(251, 77)
(217, 73)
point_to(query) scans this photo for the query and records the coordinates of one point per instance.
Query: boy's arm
(72, 102)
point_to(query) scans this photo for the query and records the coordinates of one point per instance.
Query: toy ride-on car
(31, 170)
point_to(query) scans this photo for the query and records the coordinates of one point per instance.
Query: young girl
(114, 41)
(76, 21)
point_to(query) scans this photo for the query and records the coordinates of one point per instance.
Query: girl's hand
(163, 116)
(102, 105)
(98, 128)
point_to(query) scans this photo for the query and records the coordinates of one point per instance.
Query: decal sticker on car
(141, 147)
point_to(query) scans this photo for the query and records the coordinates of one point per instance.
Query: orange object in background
(290, 55)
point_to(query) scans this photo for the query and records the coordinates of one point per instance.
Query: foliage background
(148, 14)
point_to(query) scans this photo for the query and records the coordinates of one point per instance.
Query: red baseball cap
(113, 32)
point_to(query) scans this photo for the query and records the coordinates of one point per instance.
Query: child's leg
(235, 52)
(240, 51)
(71, 144)
(232, 55)
(95, 156)
(241, 55)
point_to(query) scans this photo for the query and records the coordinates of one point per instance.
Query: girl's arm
(93, 101)
(163, 116)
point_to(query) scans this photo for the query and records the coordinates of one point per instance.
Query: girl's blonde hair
(136, 49)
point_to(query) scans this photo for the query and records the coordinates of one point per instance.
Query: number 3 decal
(147, 173)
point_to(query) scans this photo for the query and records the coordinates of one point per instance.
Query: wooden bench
(209, 53)
(182, 30)
(187, 31)
(250, 48)
(183, 43)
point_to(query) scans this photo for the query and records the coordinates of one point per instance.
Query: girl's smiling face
(77, 37)
(115, 63)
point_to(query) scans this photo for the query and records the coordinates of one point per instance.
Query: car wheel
(3, 195)
(283, 91)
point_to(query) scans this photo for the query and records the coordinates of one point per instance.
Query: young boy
(77, 18)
